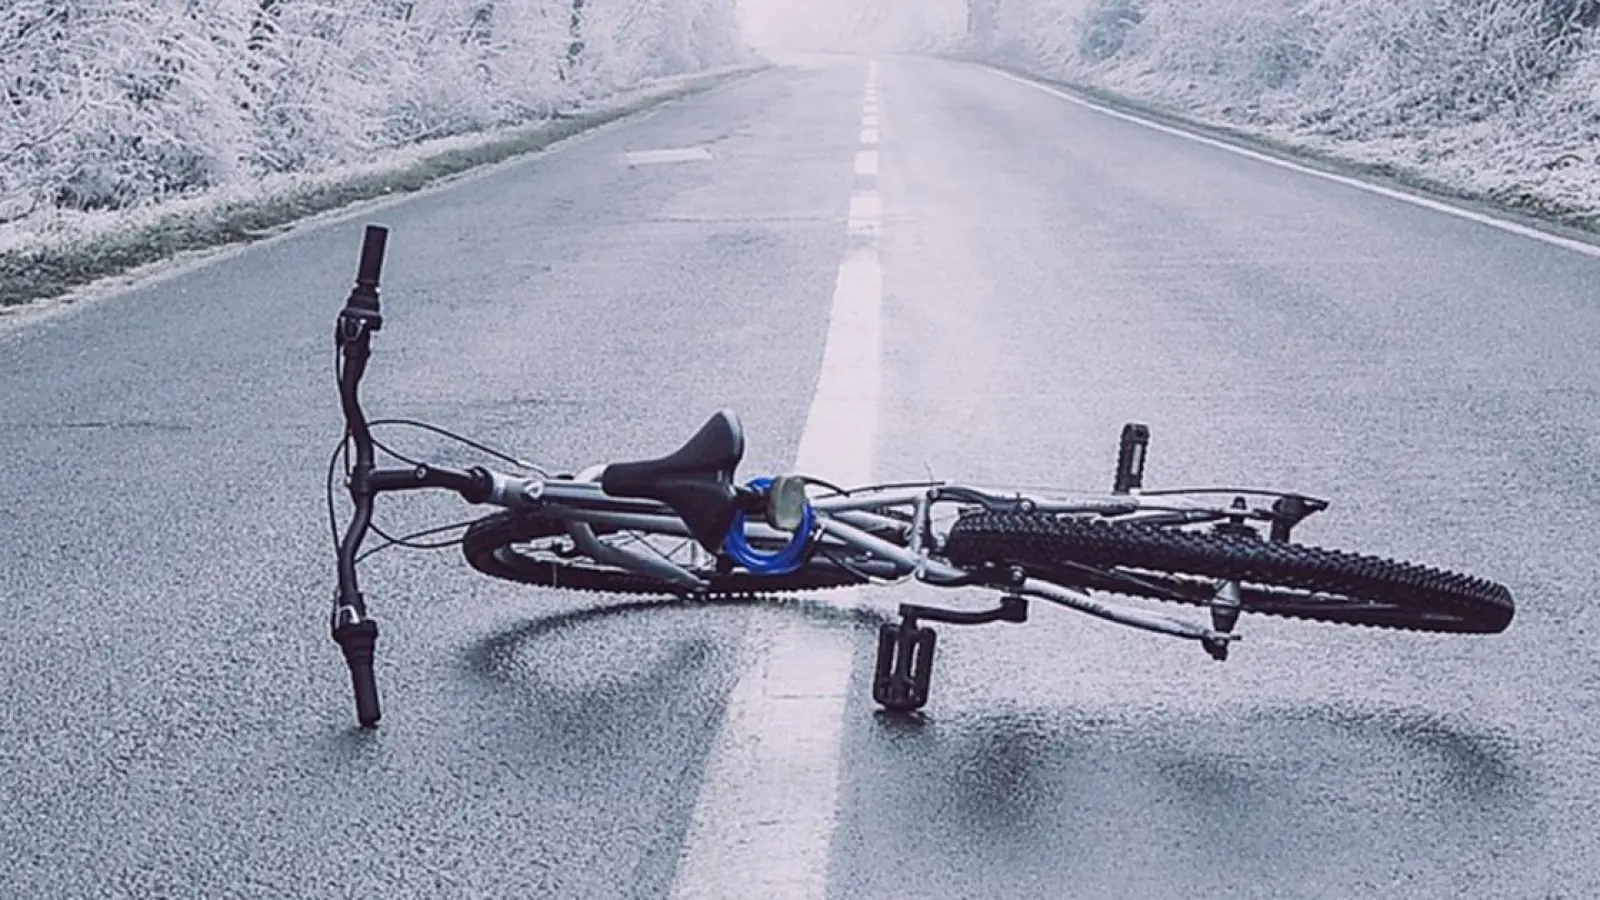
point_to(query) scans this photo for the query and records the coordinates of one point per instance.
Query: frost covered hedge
(106, 104)
(1495, 97)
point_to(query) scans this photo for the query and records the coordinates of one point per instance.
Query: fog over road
(176, 721)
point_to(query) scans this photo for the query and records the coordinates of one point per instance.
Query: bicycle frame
(842, 520)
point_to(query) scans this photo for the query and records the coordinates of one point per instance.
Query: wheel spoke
(670, 554)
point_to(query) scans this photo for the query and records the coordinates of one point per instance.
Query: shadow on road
(819, 611)
(581, 672)
(1140, 801)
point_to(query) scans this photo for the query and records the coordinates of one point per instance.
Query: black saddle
(696, 480)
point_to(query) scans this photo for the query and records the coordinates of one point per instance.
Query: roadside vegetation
(131, 130)
(1492, 100)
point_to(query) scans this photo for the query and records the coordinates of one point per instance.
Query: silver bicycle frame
(845, 522)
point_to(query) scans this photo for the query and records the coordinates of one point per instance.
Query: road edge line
(1434, 204)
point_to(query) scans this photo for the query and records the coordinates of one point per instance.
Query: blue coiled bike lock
(780, 562)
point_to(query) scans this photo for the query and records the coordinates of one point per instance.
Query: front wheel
(534, 549)
(1275, 578)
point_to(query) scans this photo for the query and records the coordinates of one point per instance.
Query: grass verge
(79, 250)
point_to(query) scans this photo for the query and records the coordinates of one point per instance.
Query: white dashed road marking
(866, 207)
(767, 810)
(656, 157)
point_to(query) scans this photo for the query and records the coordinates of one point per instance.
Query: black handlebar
(359, 640)
(354, 632)
(372, 247)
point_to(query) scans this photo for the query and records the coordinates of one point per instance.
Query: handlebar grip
(358, 640)
(372, 247)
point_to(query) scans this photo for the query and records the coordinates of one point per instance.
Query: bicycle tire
(1276, 578)
(486, 538)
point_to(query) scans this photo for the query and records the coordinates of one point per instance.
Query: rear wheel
(529, 548)
(1276, 578)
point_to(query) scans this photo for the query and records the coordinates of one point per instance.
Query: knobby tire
(1276, 578)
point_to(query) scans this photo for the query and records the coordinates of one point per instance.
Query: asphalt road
(176, 721)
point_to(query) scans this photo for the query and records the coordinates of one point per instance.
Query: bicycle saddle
(696, 480)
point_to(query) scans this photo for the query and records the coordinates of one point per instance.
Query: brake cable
(409, 540)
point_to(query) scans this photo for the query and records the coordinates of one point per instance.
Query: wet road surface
(177, 722)
(1052, 273)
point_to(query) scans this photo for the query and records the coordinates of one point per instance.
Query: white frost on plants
(114, 105)
(1499, 98)
(113, 108)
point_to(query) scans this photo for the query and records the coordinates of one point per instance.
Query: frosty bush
(1484, 93)
(1411, 61)
(1105, 27)
(112, 103)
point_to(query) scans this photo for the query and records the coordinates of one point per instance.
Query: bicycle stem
(367, 481)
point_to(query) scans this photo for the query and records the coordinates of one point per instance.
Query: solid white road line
(767, 810)
(1349, 181)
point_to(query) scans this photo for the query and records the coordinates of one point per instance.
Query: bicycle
(681, 525)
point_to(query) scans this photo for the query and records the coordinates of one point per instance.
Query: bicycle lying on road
(681, 525)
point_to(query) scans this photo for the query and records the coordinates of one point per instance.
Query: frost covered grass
(131, 130)
(52, 253)
(1491, 100)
